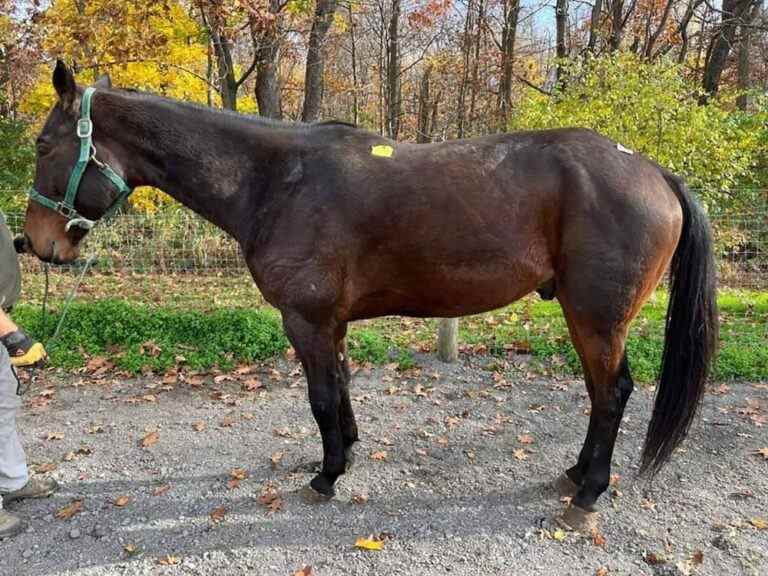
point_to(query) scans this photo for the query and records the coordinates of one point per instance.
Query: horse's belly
(434, 289)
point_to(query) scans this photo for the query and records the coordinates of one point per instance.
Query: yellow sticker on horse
(383, 150)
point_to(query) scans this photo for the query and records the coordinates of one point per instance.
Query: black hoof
(312, 496)
(322, 486)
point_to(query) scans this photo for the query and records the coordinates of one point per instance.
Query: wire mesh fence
(178, 242)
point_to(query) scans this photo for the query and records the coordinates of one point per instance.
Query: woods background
(683, 81)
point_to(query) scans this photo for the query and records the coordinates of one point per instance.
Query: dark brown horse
(338, 224)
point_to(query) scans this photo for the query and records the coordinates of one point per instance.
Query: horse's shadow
(179, 524)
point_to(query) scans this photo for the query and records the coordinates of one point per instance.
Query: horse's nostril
(20, 244)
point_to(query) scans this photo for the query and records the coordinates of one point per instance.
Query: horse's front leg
(315, 346)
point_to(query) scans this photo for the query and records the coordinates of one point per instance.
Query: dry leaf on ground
(520, 454)
(150, 440)
(379, 455)
(122, 501)
(217, 515)
(306, 571)
(70, 510)
(759, 523)
(525, 439)
(198, 426)
(275, 458)
(169, 560)
(271, 500)
(369, 544)
(43, 468)
(160, 490)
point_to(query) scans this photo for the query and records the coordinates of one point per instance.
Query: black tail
(690, 336)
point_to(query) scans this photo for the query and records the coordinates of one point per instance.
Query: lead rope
(68, 302)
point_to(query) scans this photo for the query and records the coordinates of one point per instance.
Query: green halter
(87, 154)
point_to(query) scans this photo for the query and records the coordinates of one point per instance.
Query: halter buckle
(84, 128)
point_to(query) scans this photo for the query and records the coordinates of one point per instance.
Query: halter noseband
(66, 207)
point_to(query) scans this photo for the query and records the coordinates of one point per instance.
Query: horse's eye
(43, 148)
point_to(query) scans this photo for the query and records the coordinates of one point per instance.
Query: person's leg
(13, 463)
(23, 350)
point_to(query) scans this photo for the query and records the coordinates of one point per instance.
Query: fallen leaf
(233, 483)
(150, 440)
(359, 498)
(43, 468)
(227, 422)
(614, 480)
(238, 473)
(648, 504)
(525, 439)
(759, 523)
(762, 452)
(70, 510)
(217, 515)
(271, 500)
(597, 538)
(54, 436)
(559, 535)
(520, 454)
(379, 455)
(122, 501)
(697, 557)
(160, 490)
(130, 549)
(169, 560)
(95, 429)
(654, 559)
(369, 544)
(252, 384)
(275, 458)
(602, 571)
(282, 432)
(198, 426)
(306, 571)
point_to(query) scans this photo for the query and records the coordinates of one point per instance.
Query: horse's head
(72, 187)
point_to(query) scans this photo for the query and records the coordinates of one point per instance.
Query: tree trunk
(266, 44)
(353, 45)
(423, 134)
(448, 340)
(476, 65)
(651, 43)
(745, 45)
(393, 73)
(508, 38)
(461, 108)
(561, 21)
(594, 26)
(617, 24)
(733, 12)
(313, 77)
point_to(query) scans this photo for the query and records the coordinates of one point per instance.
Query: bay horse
(338, 224)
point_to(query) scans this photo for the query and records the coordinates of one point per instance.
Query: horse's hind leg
(605, 362)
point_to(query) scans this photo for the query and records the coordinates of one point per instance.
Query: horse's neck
(215, 164)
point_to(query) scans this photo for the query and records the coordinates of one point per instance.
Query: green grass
(224, 336)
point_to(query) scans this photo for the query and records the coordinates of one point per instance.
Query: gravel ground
(453, 473)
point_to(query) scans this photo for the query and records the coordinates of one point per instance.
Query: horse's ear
(103, 82)
(64, 83)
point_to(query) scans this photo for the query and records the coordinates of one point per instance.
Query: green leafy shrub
(654, 109)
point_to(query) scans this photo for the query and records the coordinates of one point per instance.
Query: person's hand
(20, 244)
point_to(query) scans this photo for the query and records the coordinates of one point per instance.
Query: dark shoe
(23, 350)
(10, 525)
(35, 488)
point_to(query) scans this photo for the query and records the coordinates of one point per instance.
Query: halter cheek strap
(87, 155)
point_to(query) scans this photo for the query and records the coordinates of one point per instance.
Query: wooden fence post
(448, 340)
